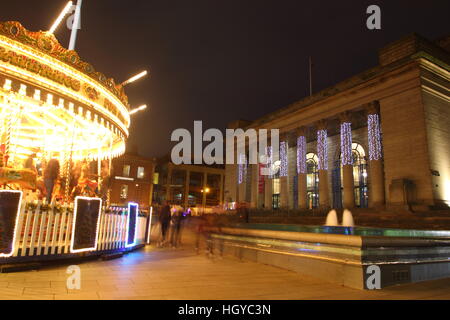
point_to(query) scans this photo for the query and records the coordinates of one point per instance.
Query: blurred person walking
(177, 220)
(164, 219)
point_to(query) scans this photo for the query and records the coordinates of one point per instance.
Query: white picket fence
(48, 232)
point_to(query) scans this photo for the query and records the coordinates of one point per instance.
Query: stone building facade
(380, 139)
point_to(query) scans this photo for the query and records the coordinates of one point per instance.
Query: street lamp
(135, 78)
(60, 17)
(143, 107)
(205, 192)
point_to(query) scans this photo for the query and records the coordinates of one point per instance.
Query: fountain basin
(342, 255)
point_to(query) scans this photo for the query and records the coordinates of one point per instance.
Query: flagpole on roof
(76, 26)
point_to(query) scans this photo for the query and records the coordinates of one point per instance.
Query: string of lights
(301, 154)
(242, 168)
(374, 136)
(322, 149)
(283, 159)
(346, 144)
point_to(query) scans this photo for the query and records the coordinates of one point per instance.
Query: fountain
(341, 253)
(332, 220)
(347, 219)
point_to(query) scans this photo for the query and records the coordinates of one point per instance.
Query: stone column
(187, 183)
(254, 185)
(301, 168)
(347, 161)
(267, 193)
(284, 189)
(376, 170)
(322, 154)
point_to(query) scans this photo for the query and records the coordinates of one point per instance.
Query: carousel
(61, 124)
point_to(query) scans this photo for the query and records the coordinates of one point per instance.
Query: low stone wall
(342, 259)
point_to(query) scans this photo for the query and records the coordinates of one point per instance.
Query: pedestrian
(164, 219)
(177, 220)
(246, 212)
(51, 174)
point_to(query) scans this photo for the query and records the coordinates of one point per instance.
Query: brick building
(132, 180)
(380, 139)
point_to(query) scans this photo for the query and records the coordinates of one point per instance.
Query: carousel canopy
(53, 102)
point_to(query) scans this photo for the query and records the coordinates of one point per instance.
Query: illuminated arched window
(312, 180)
(360, 175)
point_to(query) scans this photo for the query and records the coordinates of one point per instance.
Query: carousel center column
(322, 154)
(301, 168)
(347, 160)
(376, 175)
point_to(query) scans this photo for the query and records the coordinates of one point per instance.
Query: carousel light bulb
(23, 90)
(71, 107)
(61, 103)
(37, 95)
(80, 111)
(284, 159)
(60, 17)
(50, 99)
(7, 85)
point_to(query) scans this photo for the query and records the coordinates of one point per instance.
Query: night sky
(219, 61)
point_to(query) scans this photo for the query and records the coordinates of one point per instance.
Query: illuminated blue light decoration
(301, 154)
(322, 149)
(284, 159)
(132, 220)
(346, 144)
(242, 168)
(374, 134)
(270, 162)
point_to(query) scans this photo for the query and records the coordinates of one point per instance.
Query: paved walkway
(181, 274)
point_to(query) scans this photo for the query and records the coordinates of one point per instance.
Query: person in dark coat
(164, 219)
(177, 220)
(51, 173)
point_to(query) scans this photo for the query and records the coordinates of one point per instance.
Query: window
(156, 178)
(126, 170)
(276, 193)
(312, 180)
(124, 192)
(276, 186)
(360, 176)
(140, 173)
